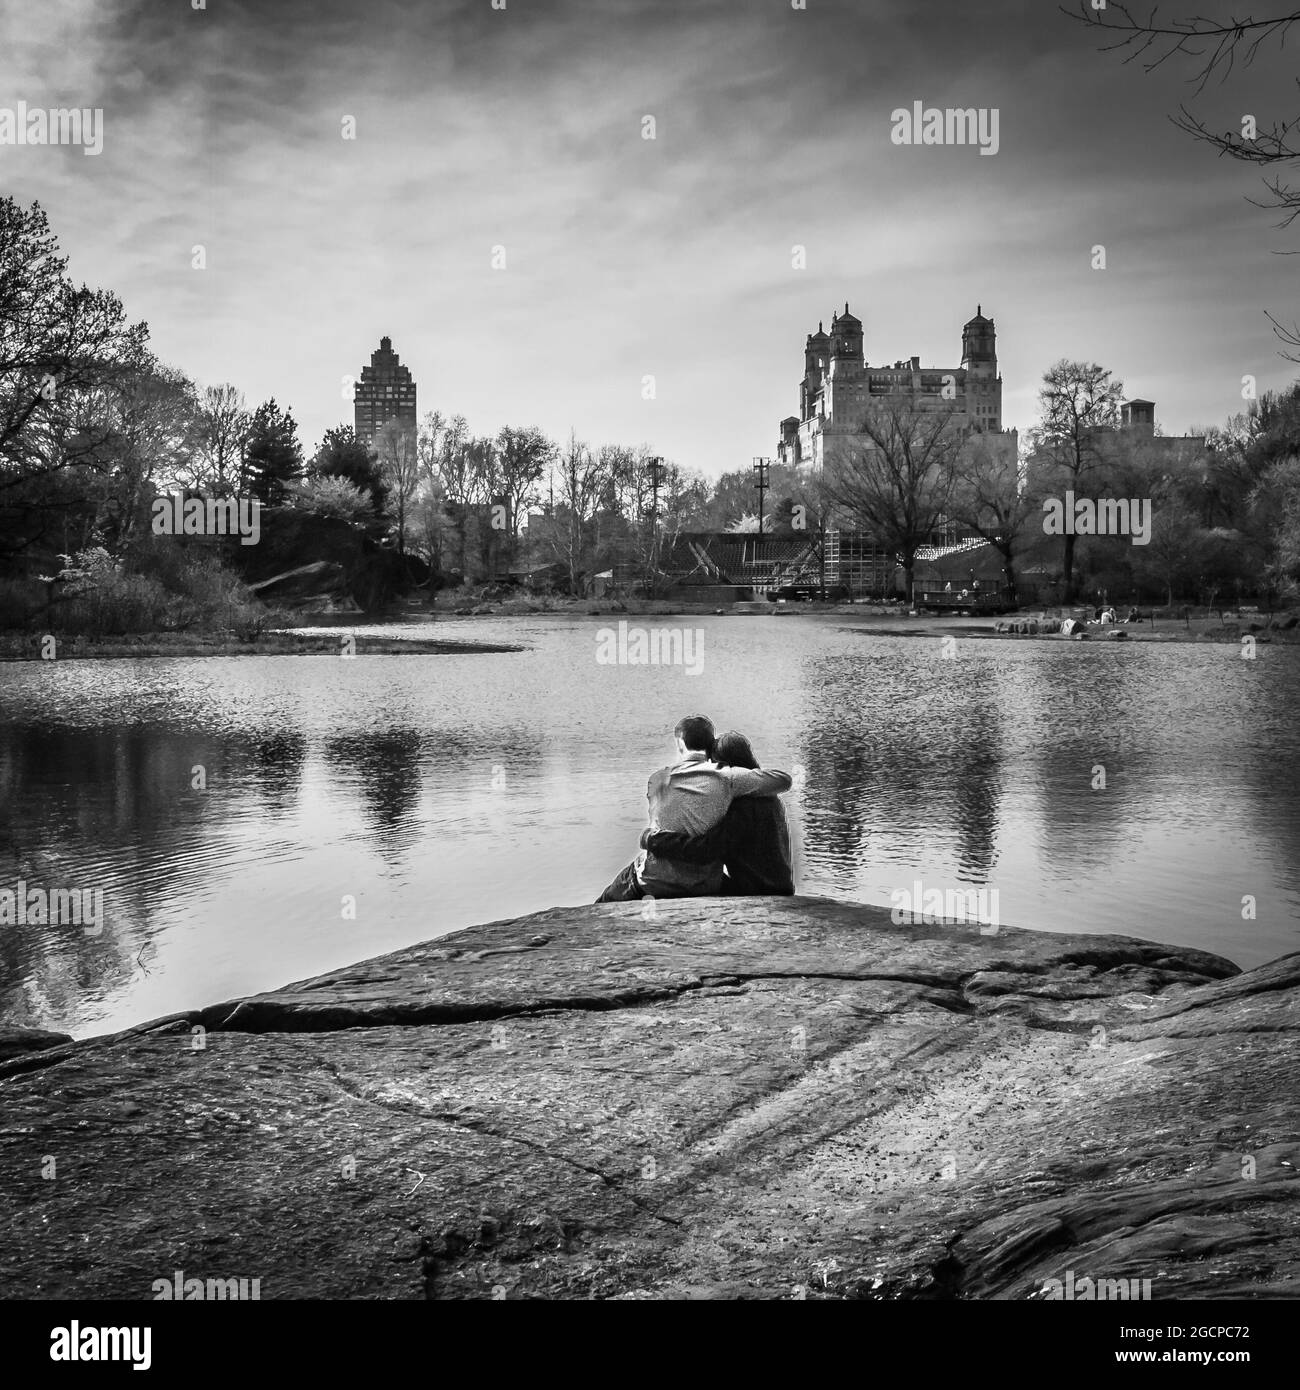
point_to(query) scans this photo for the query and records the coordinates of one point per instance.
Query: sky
(624, 257)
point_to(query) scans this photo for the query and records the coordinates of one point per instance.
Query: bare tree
(486, 491)
(399, 462)
(522, 458)
(61, 348)
(157, 414)
(810, 517)
(992, 499)
(1215, 48)
(224, 421)
(1074, 445)
(444, 470)
(898, 485)
(580, 486)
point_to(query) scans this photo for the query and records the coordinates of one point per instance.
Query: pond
(255, 820)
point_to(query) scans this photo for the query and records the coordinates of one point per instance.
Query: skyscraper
(385, 392)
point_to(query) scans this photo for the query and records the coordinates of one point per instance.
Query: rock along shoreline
(28, 647)
(735, 1098)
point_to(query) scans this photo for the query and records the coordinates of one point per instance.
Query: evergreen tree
(272, 455)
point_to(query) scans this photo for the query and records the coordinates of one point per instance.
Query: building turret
(1138, 415)
(846, 338)
(979, 345)
(816, 361)
(979, 357)
(816, 351)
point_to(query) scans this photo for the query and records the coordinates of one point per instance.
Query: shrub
(331, 497)
(22, 602)
(170, 588)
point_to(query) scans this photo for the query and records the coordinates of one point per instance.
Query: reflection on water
(256, 820)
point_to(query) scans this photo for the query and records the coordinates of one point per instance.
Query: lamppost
(655, 469)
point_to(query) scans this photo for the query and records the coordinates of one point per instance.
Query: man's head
(695, 734)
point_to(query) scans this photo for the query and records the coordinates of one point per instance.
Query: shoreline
(862, 619)
(785, 1098)
(307, 640)
(294, 642)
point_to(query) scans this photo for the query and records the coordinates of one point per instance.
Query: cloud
(626, 257)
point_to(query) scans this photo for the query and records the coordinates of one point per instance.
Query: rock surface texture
(726, 1098)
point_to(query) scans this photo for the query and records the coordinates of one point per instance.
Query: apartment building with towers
(838, 386)
(836, 392)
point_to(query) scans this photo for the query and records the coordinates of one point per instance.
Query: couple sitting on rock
(716, 824)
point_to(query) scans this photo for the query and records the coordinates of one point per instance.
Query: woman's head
(733, 750)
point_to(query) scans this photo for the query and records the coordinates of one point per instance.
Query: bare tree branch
(1220, 45)
(1288, 336)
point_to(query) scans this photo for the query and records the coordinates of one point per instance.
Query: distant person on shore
(752, 840)
(690, 796)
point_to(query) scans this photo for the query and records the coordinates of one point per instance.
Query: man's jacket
(752, 840)
(692, 797)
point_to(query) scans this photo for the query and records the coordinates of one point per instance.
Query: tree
(992, 499)
(735, 496)
(648, 498)
(343, 455)
(1216, 47)
(59, 344)
(429, 523)
(684, 497)
(154, 414)
(581, 484)
(523, 455)
(445, 463)
(55, 340)
(1275, 504)
(1075, 441)
(1227, 478)
(810, 518)
(223, 426)
(1274, 432)
(272, 455)
(399, 465)
(446, 443)
(486, 491)
(135, 430)
(1167, 556)
(898, 485)
(1285, 569)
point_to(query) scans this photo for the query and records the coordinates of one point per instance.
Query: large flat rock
(727, 1098)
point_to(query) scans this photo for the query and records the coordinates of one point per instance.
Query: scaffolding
(854, 560)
